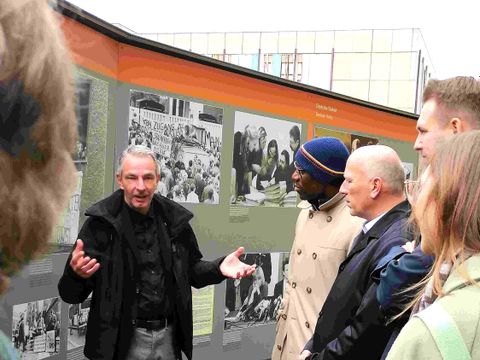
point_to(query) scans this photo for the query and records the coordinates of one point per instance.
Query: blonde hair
(455, 197)
(36, 182)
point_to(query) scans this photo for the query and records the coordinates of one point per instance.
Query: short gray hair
(140, 151)
(384, 162)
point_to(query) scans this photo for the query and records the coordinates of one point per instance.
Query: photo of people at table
(263, 153)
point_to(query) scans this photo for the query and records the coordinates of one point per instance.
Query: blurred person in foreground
(139, 256)
(446, 311)
(323, 234)
(37, 134)
(349, 324)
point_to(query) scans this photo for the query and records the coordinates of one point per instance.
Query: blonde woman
(37, 133)
(446, 313)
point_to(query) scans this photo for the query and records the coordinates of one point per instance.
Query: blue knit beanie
(323, 158)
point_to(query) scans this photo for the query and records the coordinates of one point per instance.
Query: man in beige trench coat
(323, 235)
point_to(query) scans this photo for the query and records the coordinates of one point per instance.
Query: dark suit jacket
(350, 325)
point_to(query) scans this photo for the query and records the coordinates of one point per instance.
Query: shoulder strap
(445, 332)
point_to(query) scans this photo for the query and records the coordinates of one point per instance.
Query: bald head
(383, 162)
(373, 183)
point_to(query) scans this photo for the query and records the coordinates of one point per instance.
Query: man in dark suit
(349, 324)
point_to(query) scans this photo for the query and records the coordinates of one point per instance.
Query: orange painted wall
(137, 66)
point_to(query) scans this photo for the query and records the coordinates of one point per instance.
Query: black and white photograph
(255, 300)
(36, 328)
(359, 141)
(263, 154)
(77, 323)
(186, 137)
(83, 86)
(66, 231)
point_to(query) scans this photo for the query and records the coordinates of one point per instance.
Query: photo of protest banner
(186, 137)
(36, 328)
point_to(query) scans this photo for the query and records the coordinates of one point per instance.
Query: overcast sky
(450, 28)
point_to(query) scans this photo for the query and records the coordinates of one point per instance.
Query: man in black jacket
(349, 324)
(139, 256)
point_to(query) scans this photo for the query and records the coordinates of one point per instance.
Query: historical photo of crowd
(263, 156)
(186, 137)
(36, 328)
(77, 323)
(255, 300)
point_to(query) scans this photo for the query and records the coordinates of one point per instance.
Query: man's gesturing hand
(233, 268)
(81, 264)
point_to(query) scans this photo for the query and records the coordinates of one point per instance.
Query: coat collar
(175, 216)
(325, 206)
(399, 211)
(456, 281)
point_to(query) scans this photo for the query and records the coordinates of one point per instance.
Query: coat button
(314, 256)
(329, 218)
(279, 347)
(342, 267)
(309, 290)
(307, 325)
(284, 317)
(320, 314)
(310, 215)
(294, 285)
(299, 251)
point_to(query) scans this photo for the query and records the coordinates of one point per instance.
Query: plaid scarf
(428, 296)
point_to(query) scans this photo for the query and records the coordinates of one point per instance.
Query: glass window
(287, 67)
(316, 70)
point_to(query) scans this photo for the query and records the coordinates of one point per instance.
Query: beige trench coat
(322, 240)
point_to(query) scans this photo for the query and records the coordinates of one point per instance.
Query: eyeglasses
(412, 189)
(298, 169)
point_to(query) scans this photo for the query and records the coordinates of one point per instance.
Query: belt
(157, 324)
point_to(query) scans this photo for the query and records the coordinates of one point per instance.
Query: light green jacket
(7, 352)
(462, 302)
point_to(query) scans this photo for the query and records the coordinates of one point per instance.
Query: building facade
(388, 67)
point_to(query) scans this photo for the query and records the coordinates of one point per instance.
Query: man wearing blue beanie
(323, 235)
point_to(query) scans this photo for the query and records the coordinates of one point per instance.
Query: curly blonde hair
(37, 180)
